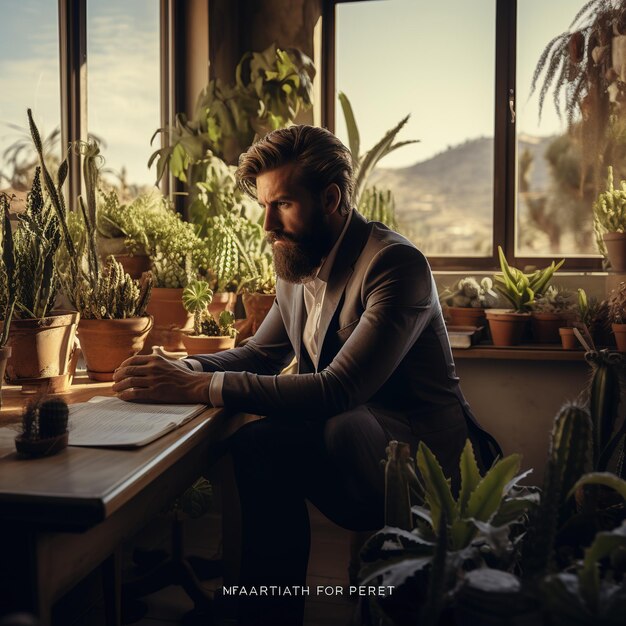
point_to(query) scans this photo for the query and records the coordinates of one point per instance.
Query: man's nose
(271, 221)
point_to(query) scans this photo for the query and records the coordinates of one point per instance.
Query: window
(29, 67)
(487, 171)
(84, 67)
(123, 79)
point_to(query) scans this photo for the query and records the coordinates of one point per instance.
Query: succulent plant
(556, 300)
(197, 296)
(53, 417)
(519, 288)
(617, 304)
(379, 205)
(468, 292)
(609, 211)
(44, 417)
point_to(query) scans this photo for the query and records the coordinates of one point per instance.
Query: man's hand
(152, 378)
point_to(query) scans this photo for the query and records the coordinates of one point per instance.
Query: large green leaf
(438, 492)
(487, 497)
(354, 140)
(470, 476)
(602, 478)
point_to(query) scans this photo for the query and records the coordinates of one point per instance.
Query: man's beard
(298, 259)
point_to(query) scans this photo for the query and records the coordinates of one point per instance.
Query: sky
(433, 60)
(436, 61)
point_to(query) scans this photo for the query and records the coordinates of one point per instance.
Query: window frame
(505, 146)
(73, 68)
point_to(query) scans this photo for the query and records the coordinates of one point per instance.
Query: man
(357, 306)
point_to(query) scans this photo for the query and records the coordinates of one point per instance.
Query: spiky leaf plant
(96, 292)
(363, 164)
(8, 287)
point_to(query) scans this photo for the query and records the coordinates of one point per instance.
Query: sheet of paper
(112, 422)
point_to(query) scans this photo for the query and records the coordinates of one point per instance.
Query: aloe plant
(519, 288)
(363, 164)
(480, 517)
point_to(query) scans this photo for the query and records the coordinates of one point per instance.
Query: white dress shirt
(314, 292)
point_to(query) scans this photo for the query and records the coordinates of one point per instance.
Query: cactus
(568, 459)
(44, 417)
(397, 490)
(379, 205)
(53, 416)
(197, 296)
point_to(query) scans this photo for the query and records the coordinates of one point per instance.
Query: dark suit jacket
(383, 343)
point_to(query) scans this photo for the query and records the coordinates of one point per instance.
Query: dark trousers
(278, 464)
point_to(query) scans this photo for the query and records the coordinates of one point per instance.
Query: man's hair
(320, 157)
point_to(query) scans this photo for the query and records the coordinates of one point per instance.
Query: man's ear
(331, 199)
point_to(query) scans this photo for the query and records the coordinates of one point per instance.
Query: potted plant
(590, 316)
(466, 301)
(42, 340)
(585, 67)
(120, 228)
(208, 335)
(114, 324)
(44, 427)
(617, 315)
(7, 287)
(258, 295)
(270, 89)
(551, 311)
(519, 289)
(609, 223)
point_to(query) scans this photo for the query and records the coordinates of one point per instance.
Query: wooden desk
(64, 515)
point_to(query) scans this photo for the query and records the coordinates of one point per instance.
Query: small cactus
(53, 417)
(44, 418)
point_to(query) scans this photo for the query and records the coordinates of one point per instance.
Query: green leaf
(354, 140)
(602, 478)
(438, 493)
(487, 497)
(470, 476)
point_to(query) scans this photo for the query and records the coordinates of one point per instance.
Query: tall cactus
(399, 476)
(568, 459)
(604, 400)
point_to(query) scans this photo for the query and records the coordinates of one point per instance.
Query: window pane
(29, 77)
(123, 77)
(435, 61)
(553, 206)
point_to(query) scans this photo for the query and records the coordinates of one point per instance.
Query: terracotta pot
(616, 250)
(107, 343)
(545, 327)
(506, 327)
(467, 316)
(222, 301)
(619, 330)
(207, 345)
(569, 340)
(170, 318)
(41, 348)
(257, 306)
(134, 264)
(5, 353)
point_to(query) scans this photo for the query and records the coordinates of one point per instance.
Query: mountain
(445, 203)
